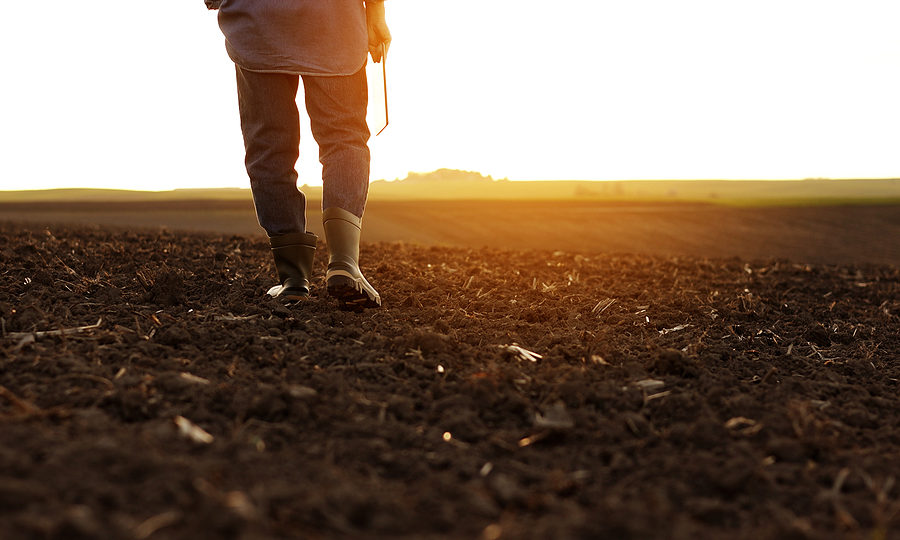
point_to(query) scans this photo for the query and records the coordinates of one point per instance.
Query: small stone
(554, 417)
(299, 391)
(650, 385)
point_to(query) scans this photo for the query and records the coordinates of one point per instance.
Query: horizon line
(485, 178)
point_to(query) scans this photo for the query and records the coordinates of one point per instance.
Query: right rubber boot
(293, 254)
(344, 280)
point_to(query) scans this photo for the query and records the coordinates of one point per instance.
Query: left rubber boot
(344, 280)
(293, 254)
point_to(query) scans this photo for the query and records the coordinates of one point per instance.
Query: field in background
(818, 220)
(448, 184)
(818, 233)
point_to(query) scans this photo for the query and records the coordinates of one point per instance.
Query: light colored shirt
(306, 37)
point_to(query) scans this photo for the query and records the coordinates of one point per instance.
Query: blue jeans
(270, 123)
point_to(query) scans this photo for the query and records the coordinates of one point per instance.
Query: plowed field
(148, 389)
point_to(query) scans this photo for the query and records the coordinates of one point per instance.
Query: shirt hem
(299, 72)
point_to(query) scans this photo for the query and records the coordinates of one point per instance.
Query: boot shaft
(344, 280)
(342, 233)
(294, 254)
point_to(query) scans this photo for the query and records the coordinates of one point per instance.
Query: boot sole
(349, 293)
(288, 295)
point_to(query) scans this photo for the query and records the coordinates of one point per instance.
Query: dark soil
(675, 397)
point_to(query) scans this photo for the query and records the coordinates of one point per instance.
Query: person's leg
(337, 112)
(270, 123)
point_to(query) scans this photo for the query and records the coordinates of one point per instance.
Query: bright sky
(140, 95)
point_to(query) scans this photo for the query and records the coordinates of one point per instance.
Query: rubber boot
(343, 280)
(293, 255)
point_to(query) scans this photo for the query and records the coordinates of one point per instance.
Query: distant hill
(449, 176)
(452, 184)
(449, 184)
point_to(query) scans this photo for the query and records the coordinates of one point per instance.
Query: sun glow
(582, 90)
